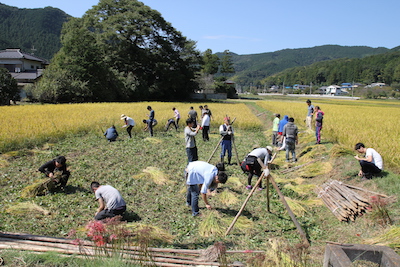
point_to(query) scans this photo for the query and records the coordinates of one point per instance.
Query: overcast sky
(259, 26)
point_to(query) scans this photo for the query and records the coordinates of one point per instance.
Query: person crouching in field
(110, 201)
(200, 177)
(111, 134)
(56, 170)
(371, 164)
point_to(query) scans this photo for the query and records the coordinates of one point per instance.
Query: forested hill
(382, 68)
(254, 68)
(38, 28)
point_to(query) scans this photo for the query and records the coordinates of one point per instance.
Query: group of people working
(201, 177)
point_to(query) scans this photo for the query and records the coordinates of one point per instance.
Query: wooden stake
(244, 204)
(292, 216)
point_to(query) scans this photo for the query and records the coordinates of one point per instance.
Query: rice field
(31, 125)
(348, 122)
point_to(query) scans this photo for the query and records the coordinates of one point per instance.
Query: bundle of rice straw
(154, 234)
(38, 188)
(157, 175)
(211, 225)
(26, 207)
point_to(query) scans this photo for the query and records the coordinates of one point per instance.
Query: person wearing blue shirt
(201, 176)
(111, 134)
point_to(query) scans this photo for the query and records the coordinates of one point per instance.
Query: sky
(259, 26)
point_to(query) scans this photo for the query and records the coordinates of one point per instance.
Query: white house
(334, 90)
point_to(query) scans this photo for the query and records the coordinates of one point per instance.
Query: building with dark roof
(23, 67)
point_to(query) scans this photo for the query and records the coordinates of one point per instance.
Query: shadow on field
(69, 189)
(234, 212)
(131, 216)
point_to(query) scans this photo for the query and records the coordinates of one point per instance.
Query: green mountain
(382, 68)
(32, 30)
(255, 67)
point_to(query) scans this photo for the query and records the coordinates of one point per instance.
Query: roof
(17, 54)
(28, 75)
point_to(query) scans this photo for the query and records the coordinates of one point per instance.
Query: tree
(119, 51)
(210, 62)
(226, 63)
(8, 87)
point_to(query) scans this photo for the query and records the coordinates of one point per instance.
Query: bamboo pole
(215, 149)
(365, 190)
(292, 216)
(244, 204)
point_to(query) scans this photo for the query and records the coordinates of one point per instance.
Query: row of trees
(383, 68)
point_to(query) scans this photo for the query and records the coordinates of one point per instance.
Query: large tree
(8, 87)
(124, 50)
(227, 63)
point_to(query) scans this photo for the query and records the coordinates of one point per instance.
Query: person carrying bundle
(56, 170)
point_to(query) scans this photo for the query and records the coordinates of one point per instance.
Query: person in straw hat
(129, 123)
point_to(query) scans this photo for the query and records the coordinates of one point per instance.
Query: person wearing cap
(150, 120)
(200, 178)
(275, 128)
(111, 134)
(110, 201)
(129, 123)
(54, 166)
(310, 113)
(226, 132)
(255, 162)
(190, 140)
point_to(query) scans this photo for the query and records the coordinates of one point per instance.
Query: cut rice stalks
(26, 208)
(157, 175)
(211, 224)
(227, 197)
(390, 238)
(154, 235)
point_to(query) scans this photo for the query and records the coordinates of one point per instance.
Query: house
(375, 85)
(334, 90)
(322, 90)
(23, 67)
(300, 86)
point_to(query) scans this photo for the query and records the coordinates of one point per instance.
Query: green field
(162, 203)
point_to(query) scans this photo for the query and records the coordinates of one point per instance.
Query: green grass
(120, 164)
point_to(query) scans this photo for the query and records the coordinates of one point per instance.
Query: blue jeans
(192, 198)
(226, 146)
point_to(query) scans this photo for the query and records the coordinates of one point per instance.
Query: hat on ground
(123, 117)
(269, 148)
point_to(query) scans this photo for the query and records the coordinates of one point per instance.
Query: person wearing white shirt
(371, 164)
(205, 126)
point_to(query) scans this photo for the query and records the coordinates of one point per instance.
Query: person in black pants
(52, 167)
(151, 119)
